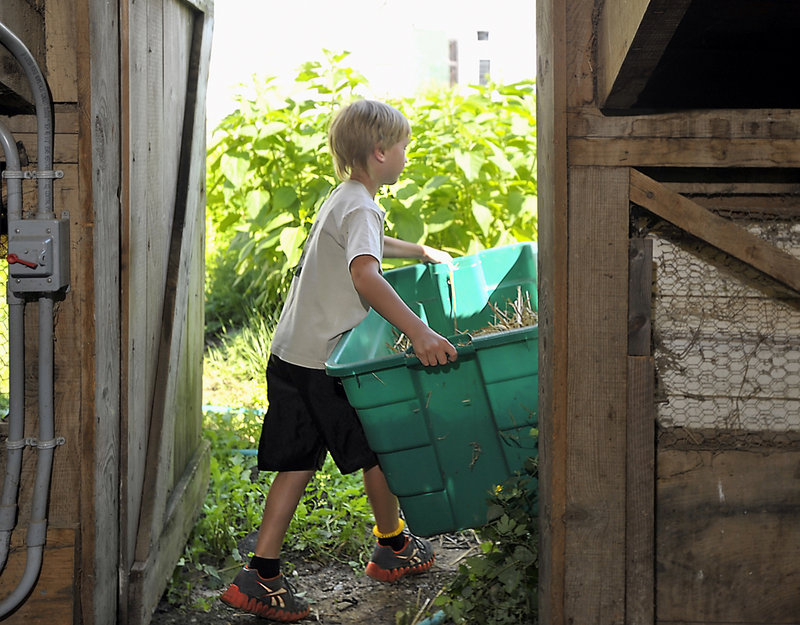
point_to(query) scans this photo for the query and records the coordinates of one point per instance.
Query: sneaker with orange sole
(415, 557)
(269, 598)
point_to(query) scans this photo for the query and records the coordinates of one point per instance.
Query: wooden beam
(682, 152)
(551, 118)
(632, 37)
(715, 230)
(640, 293)
(590, 122)
(640, 493)
(97, 90)
(597, 284)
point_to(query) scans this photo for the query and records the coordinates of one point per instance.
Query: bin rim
(464, 349)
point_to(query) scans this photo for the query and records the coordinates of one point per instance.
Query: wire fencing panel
(726, 342)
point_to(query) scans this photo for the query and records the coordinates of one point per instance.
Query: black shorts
(309, 415)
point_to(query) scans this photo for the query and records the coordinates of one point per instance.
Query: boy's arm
(397, 248)
(429, 347)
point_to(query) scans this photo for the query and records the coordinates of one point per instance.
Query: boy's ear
(379, 154)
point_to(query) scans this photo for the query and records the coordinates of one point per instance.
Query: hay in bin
(518, 313)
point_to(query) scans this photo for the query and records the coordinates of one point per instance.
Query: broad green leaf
(272, 128)
(278, 222)
(283, 198)
(407, 191)
(469, 162)
(408, 226)
(255, 201)
(291, 244)
(499, 159)
(234, 167)
(440, 220)
(483, 216)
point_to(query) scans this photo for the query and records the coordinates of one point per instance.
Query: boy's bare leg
(384, 503)
(285, 493)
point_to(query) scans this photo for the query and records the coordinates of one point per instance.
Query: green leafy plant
(499, 585)
(469, 182)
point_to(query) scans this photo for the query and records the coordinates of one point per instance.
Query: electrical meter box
(38, 254)
(447, 436)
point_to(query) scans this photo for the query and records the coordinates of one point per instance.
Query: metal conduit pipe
(44, 117)
(16, 404)
(37, 528)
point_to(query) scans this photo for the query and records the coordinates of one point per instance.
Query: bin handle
(462, 343)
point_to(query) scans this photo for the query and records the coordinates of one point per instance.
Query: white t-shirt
(323, 303)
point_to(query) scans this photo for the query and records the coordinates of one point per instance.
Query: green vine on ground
(499, 585)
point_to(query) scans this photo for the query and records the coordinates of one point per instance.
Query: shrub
(469, 183)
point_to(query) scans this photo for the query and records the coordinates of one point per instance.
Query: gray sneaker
(388, 565)
(269, 598)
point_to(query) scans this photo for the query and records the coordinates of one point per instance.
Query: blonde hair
(359, 128)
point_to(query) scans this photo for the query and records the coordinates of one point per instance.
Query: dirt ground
(340, 596)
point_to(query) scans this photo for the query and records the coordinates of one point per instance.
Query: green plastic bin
(447, 435)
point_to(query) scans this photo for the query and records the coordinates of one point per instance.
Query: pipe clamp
(30, 175)
(51, 444)
(35, 442)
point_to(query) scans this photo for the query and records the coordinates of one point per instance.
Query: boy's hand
(433, 349)
(432, 255)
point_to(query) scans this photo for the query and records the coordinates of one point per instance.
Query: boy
(337, 281)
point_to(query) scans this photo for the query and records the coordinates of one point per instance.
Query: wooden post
(640, 438)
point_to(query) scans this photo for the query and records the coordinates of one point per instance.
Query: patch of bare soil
(337, 594)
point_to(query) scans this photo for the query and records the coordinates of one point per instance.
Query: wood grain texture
(727, 537)
(596, 428)
(640, 493)
(684, 152)
(552, 274)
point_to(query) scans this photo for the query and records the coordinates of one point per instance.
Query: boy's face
(395, 160)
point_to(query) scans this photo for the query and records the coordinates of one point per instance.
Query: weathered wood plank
(632, 36)
(715, 230)
(65, 147)
(727, 537)
(187, 203)
(616, 29)
(65, 121)
(61, 47)
(683, 152)
(640, 500)
(136, 370)
(552, 185)
(596, 414)
(640, 296)
(149, 578)
(99, 148)
(590, 122)
(580, 53)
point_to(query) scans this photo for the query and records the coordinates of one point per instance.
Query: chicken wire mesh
(726, 342)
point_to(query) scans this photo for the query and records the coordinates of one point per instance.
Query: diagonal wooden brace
(715, 230)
